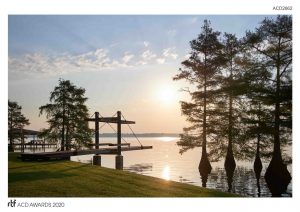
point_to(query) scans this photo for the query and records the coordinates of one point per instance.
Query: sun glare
(167, 139)
(166, 173)
(167, 94)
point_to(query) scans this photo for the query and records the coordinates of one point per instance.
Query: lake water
(164, 161)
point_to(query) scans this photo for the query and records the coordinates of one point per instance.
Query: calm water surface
(164, 161)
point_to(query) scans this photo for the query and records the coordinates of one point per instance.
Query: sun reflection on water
(166, 173)
(167, 139)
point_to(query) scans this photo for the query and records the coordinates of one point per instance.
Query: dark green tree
(201, 70)
(228, 125)
(66, 114)
(271, 44)
(257, 118)
(16, 123)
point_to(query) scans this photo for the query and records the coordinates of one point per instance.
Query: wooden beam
(124, 144)
(100, 144)
(109, 144)
(110, 120)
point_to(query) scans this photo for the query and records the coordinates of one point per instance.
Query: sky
(124, 62)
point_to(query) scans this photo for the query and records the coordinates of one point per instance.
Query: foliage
(16, 122)
(271, 46)
(201, 70)
(241, 90)
(66, 114)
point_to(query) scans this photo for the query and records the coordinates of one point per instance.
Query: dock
(65, 155)
(110, 149)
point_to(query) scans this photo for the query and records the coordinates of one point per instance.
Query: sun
(167, 94)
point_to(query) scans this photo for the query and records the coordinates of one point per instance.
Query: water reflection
(140, 168)
(166, 173)
(204, 177)
(164, 161)
(167, 139)
(257, 169)
(258, 186)
(229, 174)
(184, 180)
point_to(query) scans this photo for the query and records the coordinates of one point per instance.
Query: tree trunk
(67, 138)
(257, 161)
(229, 160)
(63, 131)
(277, 176)
(11, 140)
(204, 166)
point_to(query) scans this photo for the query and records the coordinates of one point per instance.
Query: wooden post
(119, 162)
(119, 132)
(97, 130)
(97, 160)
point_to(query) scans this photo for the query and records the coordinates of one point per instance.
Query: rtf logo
(12, 203)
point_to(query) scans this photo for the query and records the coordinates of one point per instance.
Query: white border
(202, 7)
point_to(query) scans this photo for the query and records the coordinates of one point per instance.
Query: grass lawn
(72, 179)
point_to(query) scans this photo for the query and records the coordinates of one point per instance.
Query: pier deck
(67, 154)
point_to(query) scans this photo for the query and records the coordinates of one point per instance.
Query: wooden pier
(111, 148)
(67, 154)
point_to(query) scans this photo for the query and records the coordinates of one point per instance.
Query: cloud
(141, 62)
(170, 53)
(33, 63)
(148, 55)
(37, 64)
(160, 60)
(146, 43)
(127, 57)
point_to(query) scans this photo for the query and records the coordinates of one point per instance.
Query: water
(164, 161)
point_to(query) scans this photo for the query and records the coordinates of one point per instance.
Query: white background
(200, 7)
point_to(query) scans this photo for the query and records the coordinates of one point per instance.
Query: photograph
(149, 105)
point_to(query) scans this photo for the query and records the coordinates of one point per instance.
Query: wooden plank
(110, 120)
(100, 144)
(124, 144)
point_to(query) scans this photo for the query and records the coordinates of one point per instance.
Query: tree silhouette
(201, 70)
(66, 116)
(241, 95)
(231, 75)
(272, 45)
(16, 122)
(257, 117)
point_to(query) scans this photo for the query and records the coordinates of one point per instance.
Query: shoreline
(74, 179)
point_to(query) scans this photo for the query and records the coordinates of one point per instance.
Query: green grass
(72, 179)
